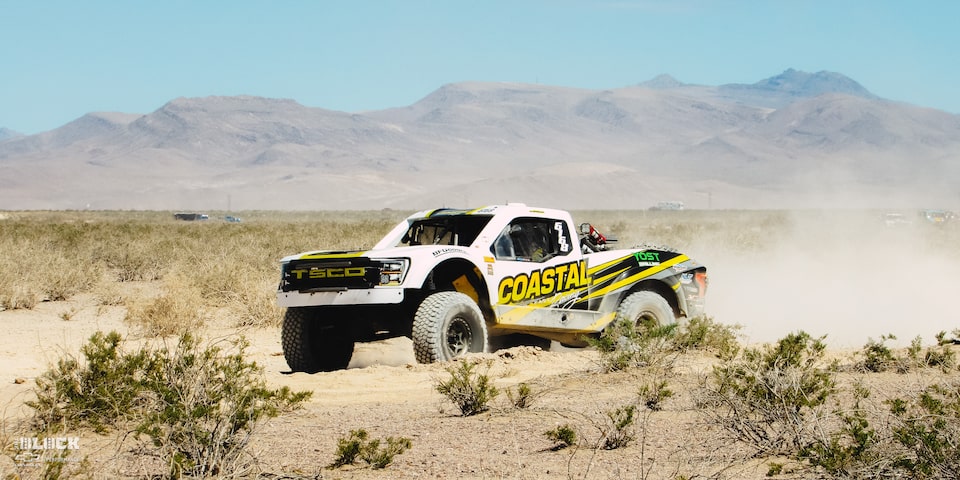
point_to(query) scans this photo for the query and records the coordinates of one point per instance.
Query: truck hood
(395, 252)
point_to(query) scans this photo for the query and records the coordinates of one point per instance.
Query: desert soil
(388, 394)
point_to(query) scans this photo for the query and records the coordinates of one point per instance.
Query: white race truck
(456, 281)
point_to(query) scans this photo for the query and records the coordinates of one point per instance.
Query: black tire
(645, 309)
(312, 344)
(448, 325)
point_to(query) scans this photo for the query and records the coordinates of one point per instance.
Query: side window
(532, 240)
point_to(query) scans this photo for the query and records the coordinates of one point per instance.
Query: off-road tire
(447, 325)
(312, 344)
(645, 309)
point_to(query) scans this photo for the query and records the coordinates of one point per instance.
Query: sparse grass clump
(375, 453)
(653, 394)
(469, 390)
(522, 396)
(617, 427)
(562, 436)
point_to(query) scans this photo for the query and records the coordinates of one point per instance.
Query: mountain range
(794, 140)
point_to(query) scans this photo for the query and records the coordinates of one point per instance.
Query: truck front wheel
(645, 309)
(313, 344)
(448, 325)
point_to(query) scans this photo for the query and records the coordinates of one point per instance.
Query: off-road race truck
(457, 281)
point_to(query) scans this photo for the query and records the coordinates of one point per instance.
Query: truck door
(537, 261)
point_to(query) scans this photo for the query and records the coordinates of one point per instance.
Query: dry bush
(772, 397)
(255, 304)
(178, 309)
(108, 293)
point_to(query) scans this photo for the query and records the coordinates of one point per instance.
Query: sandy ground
(388, 394)
(880, 284)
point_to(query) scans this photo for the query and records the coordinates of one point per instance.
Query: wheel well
(661, 289)
(463, 276)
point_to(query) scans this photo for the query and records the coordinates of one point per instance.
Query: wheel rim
(459, 336)
(647, 320)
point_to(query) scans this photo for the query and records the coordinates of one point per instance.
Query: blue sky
(62, 59)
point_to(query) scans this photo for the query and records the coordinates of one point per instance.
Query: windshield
(459, 230)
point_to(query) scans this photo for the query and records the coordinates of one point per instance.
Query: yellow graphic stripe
(592, 270)
(598, 280)
(639, 276)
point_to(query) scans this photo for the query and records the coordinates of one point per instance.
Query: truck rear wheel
(312, 344)
(645, 309)
(448, 325)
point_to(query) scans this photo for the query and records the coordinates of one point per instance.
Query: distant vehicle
(191, 216)
(668, 206)
(232, 219)
(936, 216)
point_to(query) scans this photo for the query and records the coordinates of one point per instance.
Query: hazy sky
(62, 59)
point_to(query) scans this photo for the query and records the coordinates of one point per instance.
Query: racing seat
(503, 248)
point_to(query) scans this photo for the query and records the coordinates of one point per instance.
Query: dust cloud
(847, 275)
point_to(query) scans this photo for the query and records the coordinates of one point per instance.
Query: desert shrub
(522, 396)
(381, 456)
(14, 295)
(178, 309)
(100, 392)
(197, 405)
(108, 293)
(652, 394)
(617, 427)
(348, 449)
(63, 276)
(562, 436)
(204, 404)
(854, 449)
(256, 308)
(878, 357)
(770, 398)
(130, 266)
(928, 426)
(624, 345)
(702, 333)
(375, 453)
(469, 390)
(941, 355)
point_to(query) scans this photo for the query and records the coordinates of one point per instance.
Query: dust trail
(845, 275)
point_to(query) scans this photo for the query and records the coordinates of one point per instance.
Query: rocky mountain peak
(662, 82)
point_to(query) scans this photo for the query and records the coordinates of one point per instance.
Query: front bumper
(366, 296)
